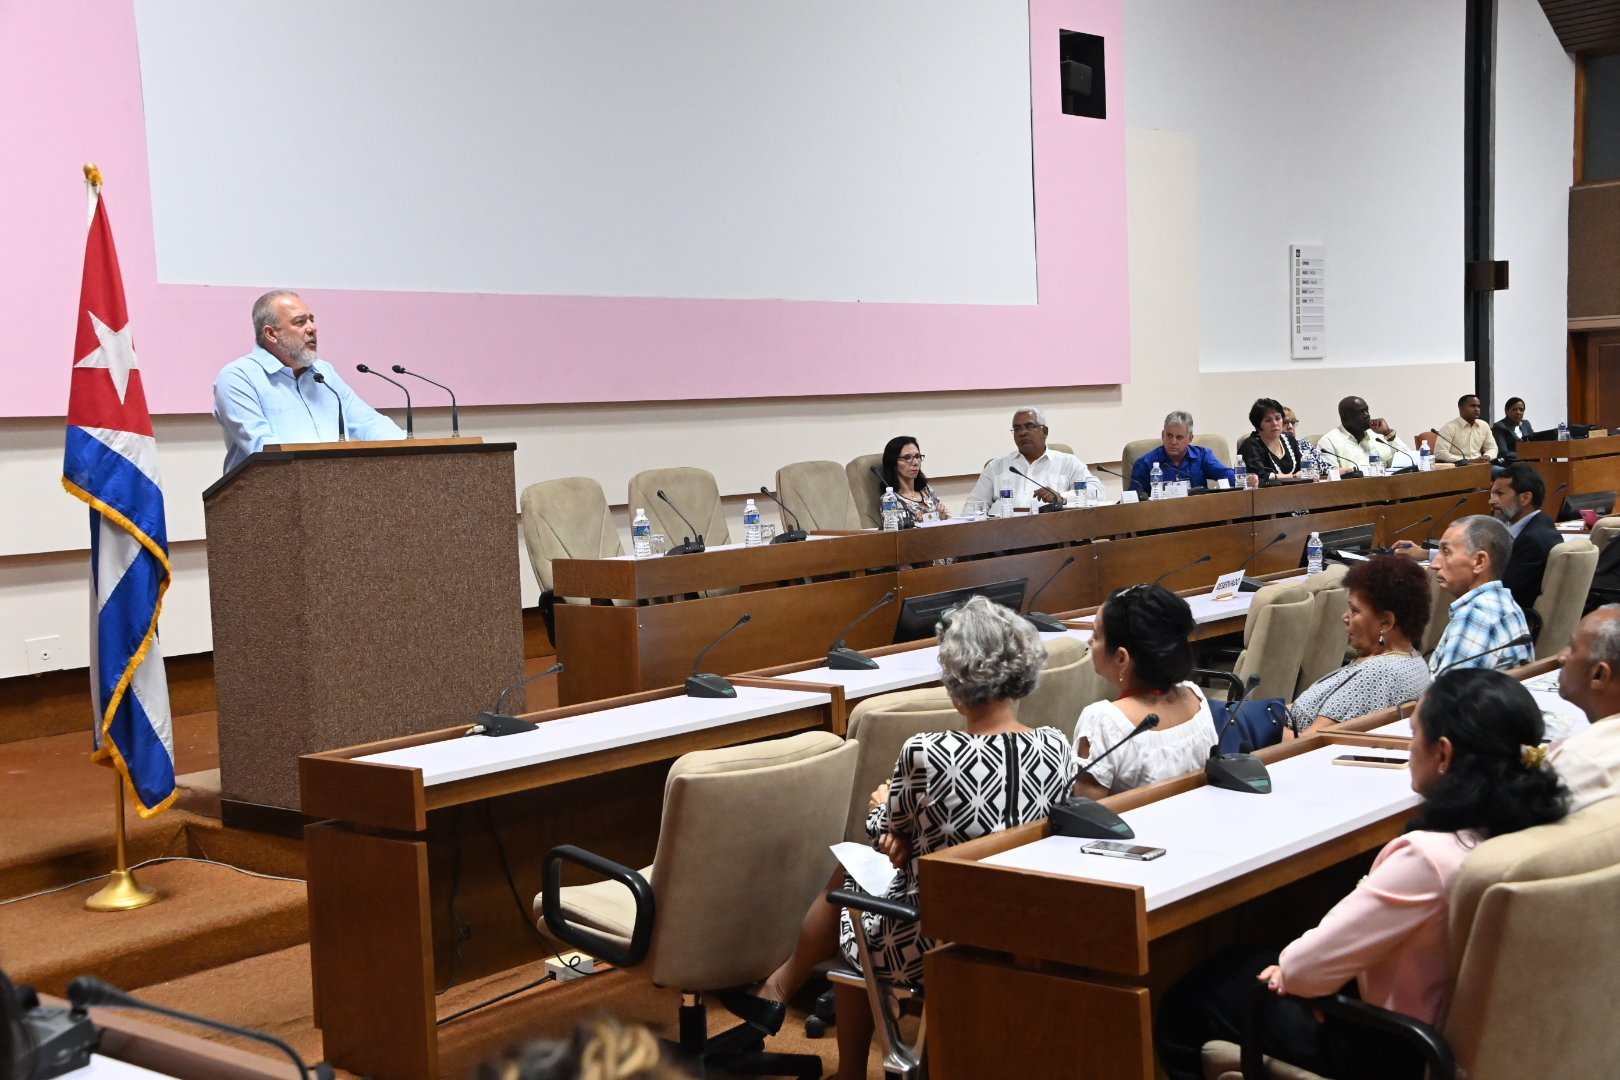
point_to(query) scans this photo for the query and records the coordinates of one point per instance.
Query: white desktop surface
(1207, 609)
(899, 670)
(102, 1067)
(1212, 836)
(476, 755)
(715, 547)
(1562, 718)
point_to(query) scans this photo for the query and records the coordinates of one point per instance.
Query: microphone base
(792, 536)
(1238, 772)
(689, 547)
(496, 724)
(709, 686)
(1051, 508)
(1044, 622)
(1089, 820)
(842, 659)
(61, 1040)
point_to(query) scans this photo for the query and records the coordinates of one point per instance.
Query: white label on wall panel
(1307, 267)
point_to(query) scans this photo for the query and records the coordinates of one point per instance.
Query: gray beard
(302, 359)
(1503, 517)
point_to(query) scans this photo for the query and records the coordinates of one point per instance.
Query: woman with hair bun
(1142, 645)
(1477, 760)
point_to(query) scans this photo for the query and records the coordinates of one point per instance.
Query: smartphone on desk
(1117, 849)
(1370, 761)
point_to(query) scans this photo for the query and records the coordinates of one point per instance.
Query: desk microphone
(1462, 455)
(1128, 486)
(792, 535)
(841, 659)
(1088, 818)
(689, 545)
(1522, 639)
(1393, 450)
(1445, 518)
(1201, 560)
(496, 722)
(1046, 507)
(343, 432)
(1424, 520)
(1249, 584)
(1236, 772)
(712, 686)
(87, 991)
(1354, 468)
(410, 423)
(1046, 622)
(455, 414)
(907, 520)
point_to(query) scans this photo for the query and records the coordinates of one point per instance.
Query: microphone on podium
(689, 545)
(1042, 621)
(713, 686)
(1046, 507)
(840, 658)
(343, 432)
(1236, 772)
(496, 722)
(1200, 561)
(1088, 818)
(1249, 584)
(455, 414)
(1522, 639)
(792, 535)
(410, 424)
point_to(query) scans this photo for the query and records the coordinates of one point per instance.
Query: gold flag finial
(92, 174)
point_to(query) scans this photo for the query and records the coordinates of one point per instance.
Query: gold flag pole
(123, 892)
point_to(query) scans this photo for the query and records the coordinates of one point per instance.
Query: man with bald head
(272, 394)
(1589, 760)
(1350, 445)
(1484, 617)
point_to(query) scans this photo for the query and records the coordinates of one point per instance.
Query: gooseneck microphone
(455, 415)
(1249, 584)
(1200, 561)
(1393, 450)
(1341, 459)
(1424, 520)
(410, 423)
(497, 722)
(1462, 455)
(792, 535)
(1445, 519)
(689, 545)
(1125, 486)
(1046, 507)
(1042, 621)
(343, 431)
(1522, 639)
(713, 686)
(841, 659)
(1236, 772)
(87, 991)
(1088, 818)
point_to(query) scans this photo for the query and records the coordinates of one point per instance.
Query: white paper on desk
(871, 869)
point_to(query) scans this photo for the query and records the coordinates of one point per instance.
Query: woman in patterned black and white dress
(948, 787)
(902, 471)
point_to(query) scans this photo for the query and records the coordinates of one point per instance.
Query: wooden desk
(1585, 465)
(1059, 965)
(802, 595)
(591, 774)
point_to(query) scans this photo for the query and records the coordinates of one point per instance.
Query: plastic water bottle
(1375, 464)
(1004, 503)
(1240, 476)
(891, 510)
(1313, 554)
(1156, 484)
(641, 534)
(1078, 498)
(1425, 458)
(750, 525)
(1309, 466)
(1563, 431)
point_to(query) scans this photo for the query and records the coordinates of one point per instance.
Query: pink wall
(75, 96)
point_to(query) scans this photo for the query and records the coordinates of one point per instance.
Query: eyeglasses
(1016, 428)
(1290, 423)
(913, 459)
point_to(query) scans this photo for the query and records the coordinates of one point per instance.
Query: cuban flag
(111, 463)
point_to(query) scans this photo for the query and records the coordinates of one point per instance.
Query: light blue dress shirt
(257, 400)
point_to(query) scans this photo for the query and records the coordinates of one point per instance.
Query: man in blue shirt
(1178, 458)
(1484, 615)
(271, 396)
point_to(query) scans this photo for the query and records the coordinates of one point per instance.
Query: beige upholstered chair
(1060, 447)
(865, 489)
(1068, 684)
(1604, 531)
(1133, 450)
(703, 917)
(1439, 615)
(1325, 648)
(881, 724)
(566, 519)
(693, 490)
(1274, 636)
(1564, 585)
(1534, 953)
(817, 491)
(1216, 444)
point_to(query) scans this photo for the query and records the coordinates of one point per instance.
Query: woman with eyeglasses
(1290, 425)
(902, 470)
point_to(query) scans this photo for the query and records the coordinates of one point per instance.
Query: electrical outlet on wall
(43, 653)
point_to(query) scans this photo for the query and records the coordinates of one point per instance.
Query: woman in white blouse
(1141, 645)
(1388, 611)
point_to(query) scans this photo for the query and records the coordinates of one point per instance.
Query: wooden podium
(360, 591)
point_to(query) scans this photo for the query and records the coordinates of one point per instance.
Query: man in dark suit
(1516, 497)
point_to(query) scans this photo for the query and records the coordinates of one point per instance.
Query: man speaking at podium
(274, 394)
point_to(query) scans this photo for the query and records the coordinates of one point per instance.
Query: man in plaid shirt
(1484, 616)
